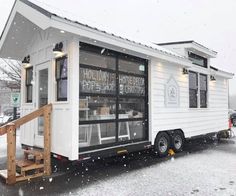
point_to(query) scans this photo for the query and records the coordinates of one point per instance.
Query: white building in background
(111, 95)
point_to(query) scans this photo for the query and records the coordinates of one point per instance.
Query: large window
(197, 90)
(28, 84)
(61, 78)
(113, 97)
(197, 60)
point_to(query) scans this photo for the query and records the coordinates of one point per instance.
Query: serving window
(113, 93)
(131, 66)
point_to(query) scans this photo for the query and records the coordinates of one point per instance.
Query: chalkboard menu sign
(131, 85)
(97, 81)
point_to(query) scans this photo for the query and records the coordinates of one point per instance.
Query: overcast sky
(209, 22)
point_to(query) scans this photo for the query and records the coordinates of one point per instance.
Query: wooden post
(11, 155)
(47, 142)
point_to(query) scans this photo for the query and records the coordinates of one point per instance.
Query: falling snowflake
(21, 193)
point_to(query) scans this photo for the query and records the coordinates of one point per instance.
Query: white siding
(193, 121)
(64, 136)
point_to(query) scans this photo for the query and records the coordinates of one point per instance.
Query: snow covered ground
(208, 172)
(204, 168)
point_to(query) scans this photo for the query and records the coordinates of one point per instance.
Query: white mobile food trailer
(111, 95)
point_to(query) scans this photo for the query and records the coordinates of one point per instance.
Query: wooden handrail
(3, 130)
(27, 118)
(10, 130)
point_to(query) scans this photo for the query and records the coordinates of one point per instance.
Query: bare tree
(10, 73)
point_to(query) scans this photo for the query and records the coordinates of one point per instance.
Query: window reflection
(131, 66)
(112, 96)
(98, 60)
(96, 134)
(131, 108)
(131, 130)
(28, 84)
(97, 81)
(61, 78)
(131, 85)
(97, 108)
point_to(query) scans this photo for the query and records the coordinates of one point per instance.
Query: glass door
(41, 100)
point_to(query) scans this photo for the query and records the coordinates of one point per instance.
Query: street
(204, 168)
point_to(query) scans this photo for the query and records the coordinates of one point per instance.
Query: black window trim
(206, 91)
(59, 79)
(193, 56)
(199, 91)
(28, 85)
(193, 89)
(117, 95)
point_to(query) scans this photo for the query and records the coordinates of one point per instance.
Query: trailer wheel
(162, 144)
(177, 141)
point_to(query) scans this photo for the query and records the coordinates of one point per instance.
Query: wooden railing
(10, 130)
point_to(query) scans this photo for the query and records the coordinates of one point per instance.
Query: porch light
(185, 71)
(57, 50)
(212, 78)
(26, 61)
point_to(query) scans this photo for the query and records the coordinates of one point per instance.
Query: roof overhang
(221, 73)
(19, 30)
(26, 18)
(201, 50)
(194, 47)
(110, 39)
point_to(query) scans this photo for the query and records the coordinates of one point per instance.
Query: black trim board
(178, 42)
(113, 151)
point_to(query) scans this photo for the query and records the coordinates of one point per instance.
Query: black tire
(162, 144)
(177, 142)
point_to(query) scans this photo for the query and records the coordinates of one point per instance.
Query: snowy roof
(186, 42)
(69, 13)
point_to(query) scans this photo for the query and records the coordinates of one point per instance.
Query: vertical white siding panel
(193, 121)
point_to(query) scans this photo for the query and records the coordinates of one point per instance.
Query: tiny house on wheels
(110, 95)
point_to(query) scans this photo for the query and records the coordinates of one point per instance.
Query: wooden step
(34, 166)
(28, 177)
(23, 163)
(38, 155)
(34, 152)
(26, 165)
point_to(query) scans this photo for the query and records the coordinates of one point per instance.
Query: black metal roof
(177, 42)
